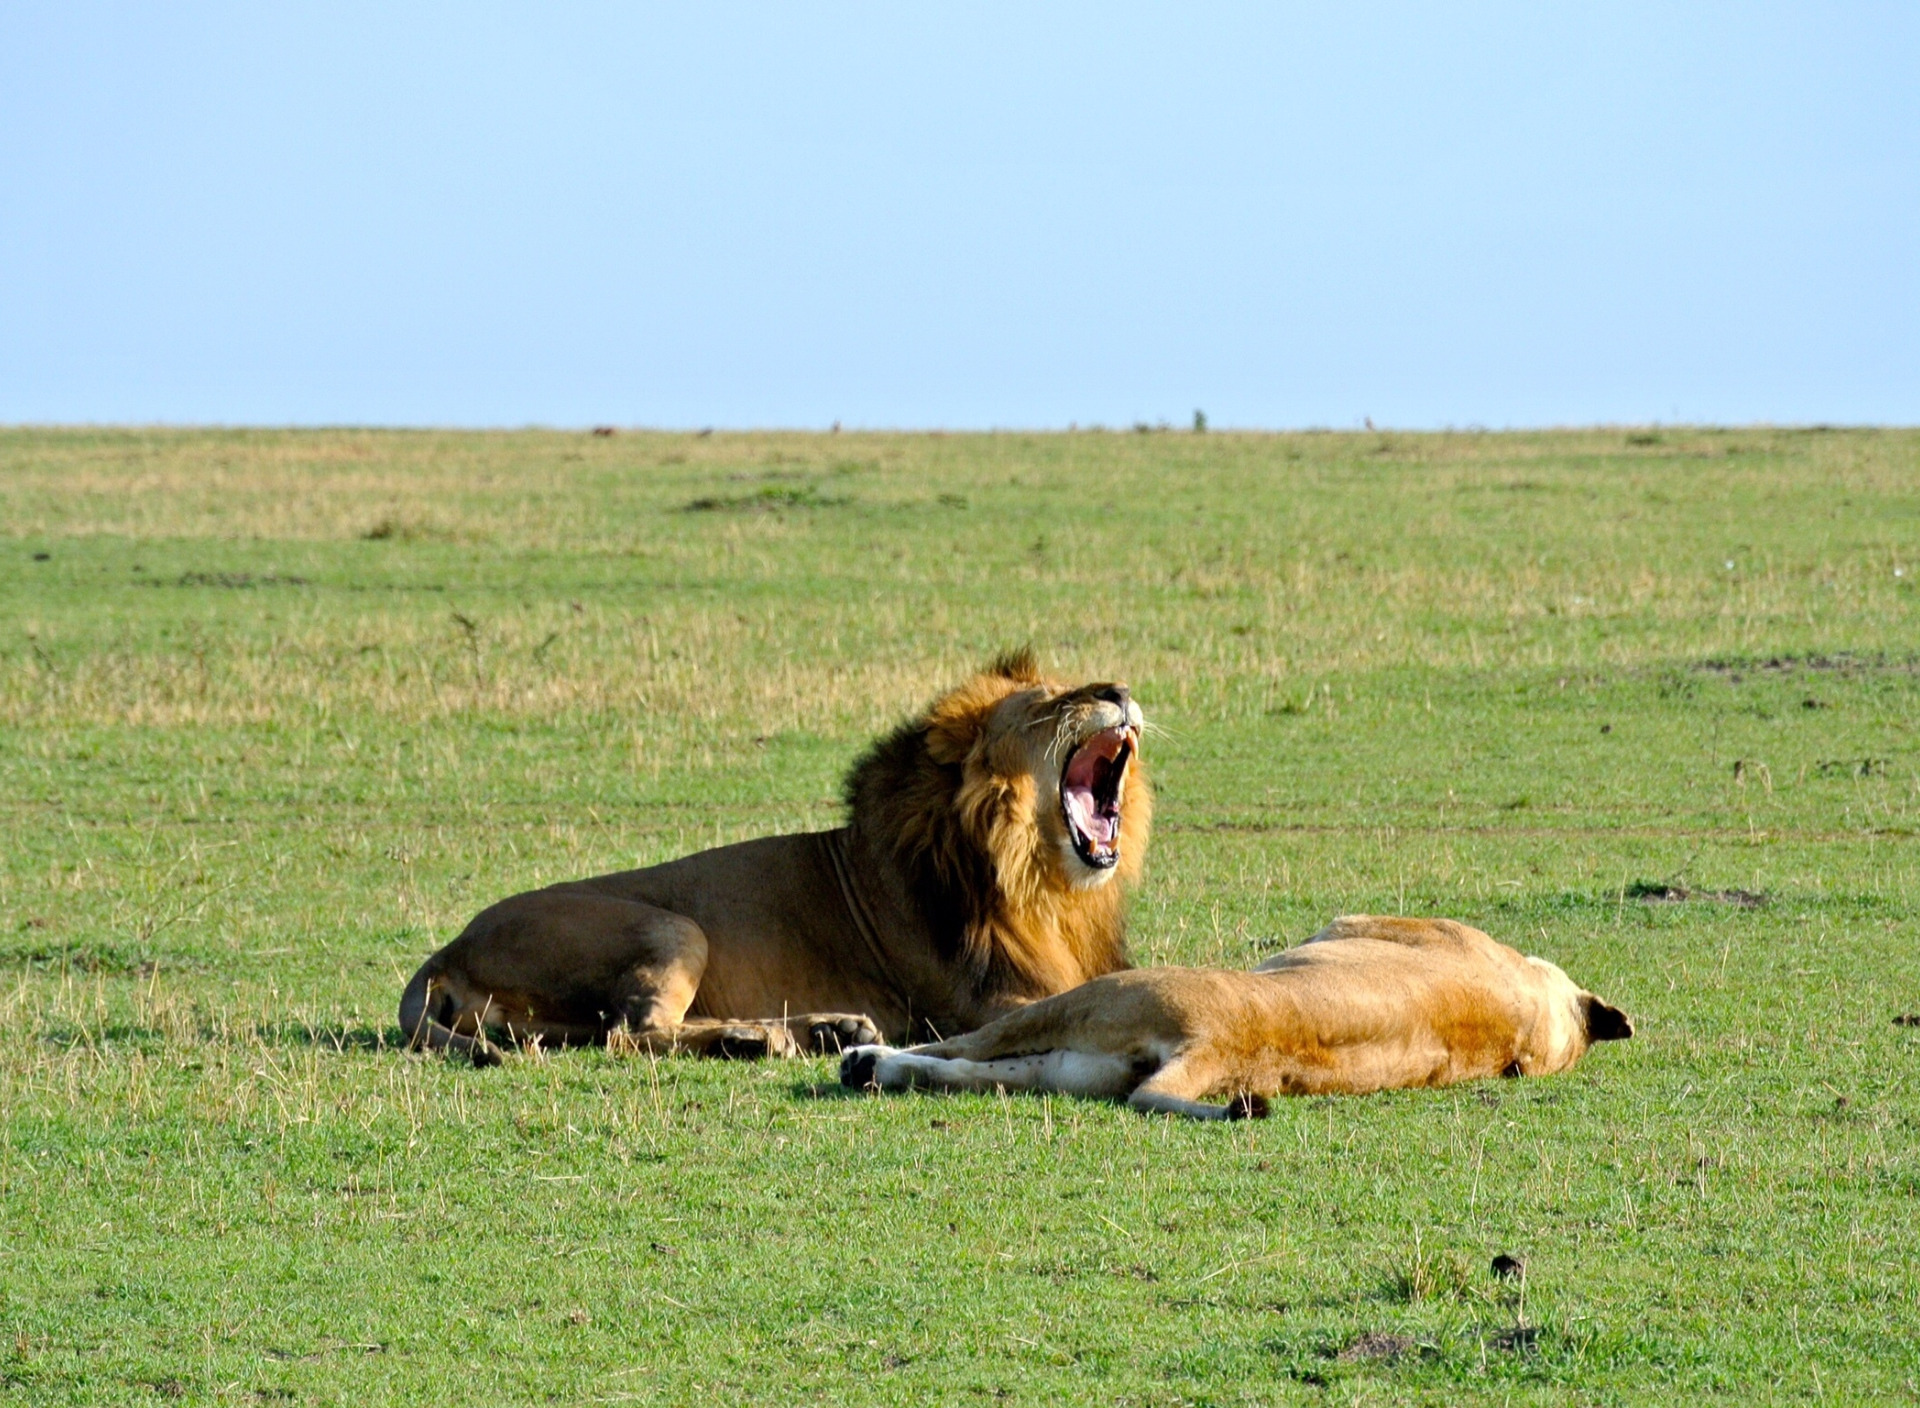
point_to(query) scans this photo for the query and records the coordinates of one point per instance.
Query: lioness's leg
(1177, 1087)
(884, 1068)
(1096, 1074)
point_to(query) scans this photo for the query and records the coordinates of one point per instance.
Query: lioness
(1365, 1004)
(984, 864)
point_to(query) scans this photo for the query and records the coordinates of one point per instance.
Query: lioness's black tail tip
(859, 1067)
(483, 1054)
(1605, 1022)
(1248, 1107)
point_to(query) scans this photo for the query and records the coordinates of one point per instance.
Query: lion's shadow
(338, 1037)
(343, 1038)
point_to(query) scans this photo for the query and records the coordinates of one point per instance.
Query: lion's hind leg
(425, 1009)
(481, 1024)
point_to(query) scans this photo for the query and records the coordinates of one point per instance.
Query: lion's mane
(966, 834)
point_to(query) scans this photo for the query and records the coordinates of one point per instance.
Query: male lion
(1365, 1004)
(983, 865)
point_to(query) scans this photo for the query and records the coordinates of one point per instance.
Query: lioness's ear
(1016, 665)
(1605, 1022)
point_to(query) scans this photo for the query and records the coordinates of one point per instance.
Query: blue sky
(980, 215)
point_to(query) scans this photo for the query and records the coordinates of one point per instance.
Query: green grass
(279, 711)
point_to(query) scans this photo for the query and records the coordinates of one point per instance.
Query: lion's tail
(423, 1026)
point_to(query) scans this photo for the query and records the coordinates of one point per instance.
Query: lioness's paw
(1247, 1107)
(833, 1033)
(859, 1068)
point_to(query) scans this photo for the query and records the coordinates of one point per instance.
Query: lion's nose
(1114, 694)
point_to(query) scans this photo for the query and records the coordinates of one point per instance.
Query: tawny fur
(1366, 1004)
(952, 895)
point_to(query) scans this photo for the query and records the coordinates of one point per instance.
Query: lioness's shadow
(825, 1090)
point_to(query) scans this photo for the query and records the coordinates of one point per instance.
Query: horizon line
(607, 429)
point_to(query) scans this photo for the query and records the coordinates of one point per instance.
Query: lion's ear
(957, 719)
(1016, 665)
(954, 727)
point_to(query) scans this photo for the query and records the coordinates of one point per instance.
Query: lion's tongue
(1090, 771)
(1085, 815)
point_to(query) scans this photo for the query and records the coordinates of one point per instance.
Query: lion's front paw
(750, 1041)
(860, 1067)
(833, 1032)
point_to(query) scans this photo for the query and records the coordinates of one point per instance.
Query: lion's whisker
(1064, 730)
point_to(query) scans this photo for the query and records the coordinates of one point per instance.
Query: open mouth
(1090, 795)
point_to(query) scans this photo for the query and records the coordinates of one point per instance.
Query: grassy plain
(278, 711)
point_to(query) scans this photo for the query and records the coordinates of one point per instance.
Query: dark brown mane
(898, 795)
(964, 841)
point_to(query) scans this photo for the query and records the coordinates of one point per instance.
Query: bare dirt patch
(229, 581)
(1851, 767)
(773, 498)
(1842, 662)
(1376, 1345)
(1660, 892)
(1516, 1339)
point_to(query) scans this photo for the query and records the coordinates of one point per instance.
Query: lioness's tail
(424, 1027)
